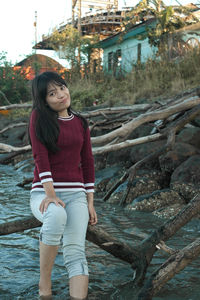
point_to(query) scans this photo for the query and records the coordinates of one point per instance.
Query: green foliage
(13, 84)
(75, 47)
(168, 20)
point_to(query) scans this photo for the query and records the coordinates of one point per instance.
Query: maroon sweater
(72, 167)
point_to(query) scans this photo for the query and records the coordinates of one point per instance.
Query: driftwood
(176, 263)
(13, 126)
(4, 148)
(168, 132)
(18, 106)
(116, 110)
(125, 130)
(10, 157)
(140, 255)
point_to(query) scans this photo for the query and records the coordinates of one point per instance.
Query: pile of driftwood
(167, 119)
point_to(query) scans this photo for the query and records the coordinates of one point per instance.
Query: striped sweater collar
(66, 118)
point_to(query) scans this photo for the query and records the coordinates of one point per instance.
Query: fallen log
(126, 129)
(13, 126)
(170, 133)
(176, 263)
(116, 110)
(140, 255)
(4, 148)
(127, 143)
(95, 234)
(13, 106)
(163, 234)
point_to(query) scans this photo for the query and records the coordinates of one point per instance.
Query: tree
(13, 83)
(73, 46)
(167, 20)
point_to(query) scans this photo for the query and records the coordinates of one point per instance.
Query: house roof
(131, 33)
(43, 60)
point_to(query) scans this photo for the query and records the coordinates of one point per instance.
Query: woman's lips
(64, 101)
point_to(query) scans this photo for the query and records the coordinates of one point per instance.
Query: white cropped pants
(69, 224)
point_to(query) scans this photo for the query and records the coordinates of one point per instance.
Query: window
(139, 52)
(119, 57)
(110, 61)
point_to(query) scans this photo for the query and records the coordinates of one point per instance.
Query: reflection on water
(110, 278)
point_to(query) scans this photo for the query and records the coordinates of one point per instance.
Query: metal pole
(35, 25)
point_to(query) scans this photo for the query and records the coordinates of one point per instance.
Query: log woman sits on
(63, 185)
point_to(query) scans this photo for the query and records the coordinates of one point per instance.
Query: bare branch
(12, 106)
(126, 129)
(13, 126)
(169, 269)
(4, 148)
(127, 143)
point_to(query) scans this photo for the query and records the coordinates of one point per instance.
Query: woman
(63, 185)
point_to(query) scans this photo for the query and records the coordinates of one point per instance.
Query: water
(110, 278)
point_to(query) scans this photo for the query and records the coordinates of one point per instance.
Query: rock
(14, 136)
(105, 178)
(186, 178)
(145, 182)
(119, 157)
(100, 161)
(190, 136)
(118, 195)
(138, 152)
(169, 211)
(188, 171)
(141, 186)
(156, 200)
(172, 159)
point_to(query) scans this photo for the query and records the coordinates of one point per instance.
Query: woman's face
(58, 98)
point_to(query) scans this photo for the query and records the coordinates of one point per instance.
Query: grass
(146, 83)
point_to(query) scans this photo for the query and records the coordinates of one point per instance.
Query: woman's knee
(55, 216)
(54, 221)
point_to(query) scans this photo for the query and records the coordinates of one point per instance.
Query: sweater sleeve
(87, 162)
(40, 153)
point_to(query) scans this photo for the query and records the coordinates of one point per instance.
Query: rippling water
(110, 278)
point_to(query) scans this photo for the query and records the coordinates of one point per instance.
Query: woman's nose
(60, 94)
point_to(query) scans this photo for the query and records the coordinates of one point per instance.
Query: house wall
(129, 54)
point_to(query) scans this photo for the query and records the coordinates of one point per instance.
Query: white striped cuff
(89, 187)
(45, 177)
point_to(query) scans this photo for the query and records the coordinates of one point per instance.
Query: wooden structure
(102, 18)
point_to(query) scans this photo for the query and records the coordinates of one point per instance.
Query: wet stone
(156, 200)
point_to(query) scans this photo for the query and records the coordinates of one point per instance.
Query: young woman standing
(63, 185)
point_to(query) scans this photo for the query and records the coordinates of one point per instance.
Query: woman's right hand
(47, 200)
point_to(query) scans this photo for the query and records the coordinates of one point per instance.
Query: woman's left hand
(92, 214)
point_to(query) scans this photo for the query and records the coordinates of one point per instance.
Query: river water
(110, 278)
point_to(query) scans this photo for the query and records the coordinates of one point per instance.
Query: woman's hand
(47, 200)
(92, 214)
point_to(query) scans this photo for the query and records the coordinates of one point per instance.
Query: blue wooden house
(124, 50)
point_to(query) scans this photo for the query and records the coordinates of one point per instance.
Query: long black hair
(47, 127)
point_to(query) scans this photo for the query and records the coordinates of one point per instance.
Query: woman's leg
(74, 243)
(54, 220)
(47, 257)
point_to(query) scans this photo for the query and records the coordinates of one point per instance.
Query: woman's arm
(87, 162)
(92, 213)
(41, 159)
(40, 152)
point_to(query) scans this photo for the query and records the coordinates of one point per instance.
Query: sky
(17, 31)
